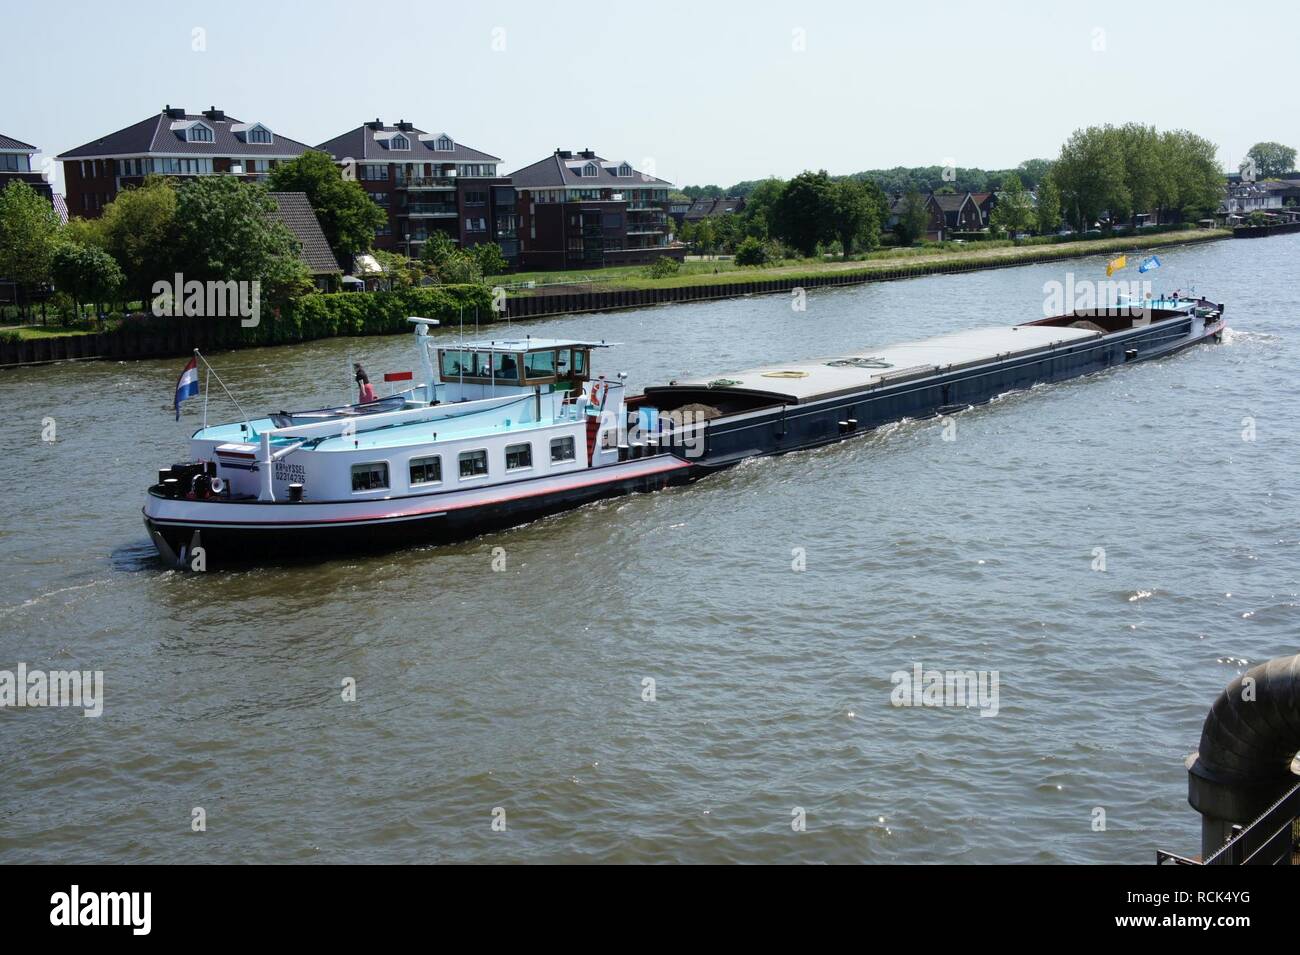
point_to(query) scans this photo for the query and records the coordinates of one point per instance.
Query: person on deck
(363, 383)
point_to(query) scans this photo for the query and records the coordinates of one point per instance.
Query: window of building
(259, 134)
(590, 170)
(473, 464)
(399, 142)
(373, 172)
(624, 171)
(476, 198)
(198, 133)
(519, 456)
(379, 198)
(426, 470)
(370, 477)
(562, 449)
(443, 144)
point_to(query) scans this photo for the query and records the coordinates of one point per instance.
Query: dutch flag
(187, 385)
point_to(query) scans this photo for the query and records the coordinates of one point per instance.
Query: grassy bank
(992, 254)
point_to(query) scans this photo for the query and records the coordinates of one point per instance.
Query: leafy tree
(803, 215)
(913, 218)
(855, 216)
(225, 229)
(705, 238)
(1032, 173)
(87, 274)
(761, 199)
(1270, 159)
(751, 251)
(1049, 206)
(1195, 179)
(347, 216)
(460, 269)
(663, 267)
(1015, 210)
(438, 249)
(489, 257)
(1090, 175)
(29, 228)
(138, 228)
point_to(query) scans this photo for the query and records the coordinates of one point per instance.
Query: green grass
(31, 332)
(993, 252)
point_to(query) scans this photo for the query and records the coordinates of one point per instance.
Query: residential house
(952, 212)
(16, 166)
(708, 208)
(578, 210)
(293, 209)
(428, 183)
(171, 143)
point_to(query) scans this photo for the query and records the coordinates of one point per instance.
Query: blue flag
(1149, 264)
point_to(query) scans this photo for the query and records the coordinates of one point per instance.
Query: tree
(1270, 160)
(489, 258)
(855, 217)
(226, 230)
(1049, 206)
(29, 229)
(88, 274)
(1090, 175)
(912, 218)
(1014, 212)
(761, 199)
(803, 215)
(347, 216)
(138, 228)
(439, 249)
(1032, 172)
(1195, 179)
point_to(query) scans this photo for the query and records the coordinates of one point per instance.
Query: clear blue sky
(712, 92)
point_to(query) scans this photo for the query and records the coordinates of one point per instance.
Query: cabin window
(505, 366)
(579, 362)
(370, 477)
(426, 470)
(562, 449)
(562, 362)
(519, 456)
(473, 464)
(540, 364)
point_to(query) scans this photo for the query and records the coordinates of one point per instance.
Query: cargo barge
(502, 432)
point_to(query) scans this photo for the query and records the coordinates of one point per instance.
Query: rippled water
(523, 689)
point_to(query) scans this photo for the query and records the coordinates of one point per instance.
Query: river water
(518, 695)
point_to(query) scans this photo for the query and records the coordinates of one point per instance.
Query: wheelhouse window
(562, 449)
(519, 456)
(426, 470)
(540, 364)
(473, 464)
(370, 477)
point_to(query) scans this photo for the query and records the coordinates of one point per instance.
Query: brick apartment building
(171, 143)
(428, 182)
(577, 210)
(16, 166)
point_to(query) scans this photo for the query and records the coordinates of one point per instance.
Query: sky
(702, 92)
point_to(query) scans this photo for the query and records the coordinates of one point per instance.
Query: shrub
(751, 252)
(663, 267)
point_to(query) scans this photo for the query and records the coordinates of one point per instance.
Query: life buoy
(597, 393)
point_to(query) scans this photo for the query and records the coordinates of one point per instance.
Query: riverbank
(375, 313)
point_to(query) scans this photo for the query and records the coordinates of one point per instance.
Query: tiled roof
(8, 142)
(949, 201)
(296, 213)
(369, 144)
(703, 208)
(564, 169)
(164, 135)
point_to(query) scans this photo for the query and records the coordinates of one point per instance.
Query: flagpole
(207, 376)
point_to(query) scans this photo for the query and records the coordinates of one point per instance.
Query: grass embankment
(722, 272)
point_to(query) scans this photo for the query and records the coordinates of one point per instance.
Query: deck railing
(1272, 839)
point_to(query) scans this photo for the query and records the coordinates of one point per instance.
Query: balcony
(429, 209)
(426, 182)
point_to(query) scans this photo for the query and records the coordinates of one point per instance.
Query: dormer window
(260, 135)
(624, 171)
(443, 144)
(591, 169)
(196, 132)
(399, 142)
